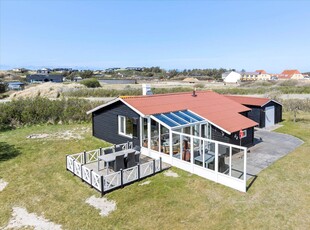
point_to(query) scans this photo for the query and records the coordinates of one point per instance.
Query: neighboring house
(249, 76)
(37, 78)
(264, 111)
(263, 75)
(44, 71)
(134, 68)
(290, 74)
(15, 85)
(231, 77)
(19, 70)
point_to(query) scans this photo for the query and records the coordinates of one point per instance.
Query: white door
(269, 116)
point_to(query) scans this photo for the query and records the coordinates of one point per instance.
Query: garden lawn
(39, 182)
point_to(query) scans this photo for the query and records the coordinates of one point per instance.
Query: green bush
(288, 83)
(91, 83)
(42, 110)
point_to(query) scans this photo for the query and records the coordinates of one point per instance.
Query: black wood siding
(277, 110)
(257, 114)
(105, 123)
(219, 135)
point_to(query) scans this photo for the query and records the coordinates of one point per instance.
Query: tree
(91, 83)
(2, 87)
(86, 74)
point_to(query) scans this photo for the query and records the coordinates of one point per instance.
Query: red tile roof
(261, 71)
(256, 101)
(218, 109)
(287, 74)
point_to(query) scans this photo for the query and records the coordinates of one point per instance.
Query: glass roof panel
(192, 115)
(165, 120)
(176, 118)
(185, 117)
(179, 118)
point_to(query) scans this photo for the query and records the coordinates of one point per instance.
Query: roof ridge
(229, 95)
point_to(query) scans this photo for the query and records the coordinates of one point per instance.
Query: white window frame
(119, 127)
(245, 132)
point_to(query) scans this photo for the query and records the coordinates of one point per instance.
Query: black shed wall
(105, 123)
(219, 135)
(257, 113)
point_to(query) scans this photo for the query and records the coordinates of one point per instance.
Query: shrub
(288, 83)
(91, 83)
(42, 110)
(199, 85)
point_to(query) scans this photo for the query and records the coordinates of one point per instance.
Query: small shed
(266, 112)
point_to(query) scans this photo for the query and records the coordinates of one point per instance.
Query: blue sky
(250, 35)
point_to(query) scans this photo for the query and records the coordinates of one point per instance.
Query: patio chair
(107, 151)
(119, 163)
(118, 148)
(137, 158)
(137, 148)
(130, 161)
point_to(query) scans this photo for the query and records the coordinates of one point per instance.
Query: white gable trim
(103, 105)
(113, 101)
(133, 108)
(270, 101)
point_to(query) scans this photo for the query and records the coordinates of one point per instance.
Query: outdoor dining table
(209, 157)
(107, 158)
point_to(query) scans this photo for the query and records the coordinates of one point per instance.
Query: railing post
(122, 185)
(73, 167)
(102, 186)
(91, 178)
(154, 167)
(160, 164)
(100, 151)
(138, 171)
(84, 157)
(67, 162)
(81, 172)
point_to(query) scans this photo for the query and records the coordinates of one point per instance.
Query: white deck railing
(77, 164)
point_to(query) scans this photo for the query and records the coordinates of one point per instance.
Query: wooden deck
(103, 171)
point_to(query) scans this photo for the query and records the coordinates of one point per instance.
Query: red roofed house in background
(263, 75)
(195, 131)
(290, 74)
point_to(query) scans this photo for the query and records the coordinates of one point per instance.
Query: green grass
(38, 181)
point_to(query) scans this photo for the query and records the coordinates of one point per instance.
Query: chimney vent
(194, 93)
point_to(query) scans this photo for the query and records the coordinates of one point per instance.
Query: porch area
(183, 139)
(94, 168)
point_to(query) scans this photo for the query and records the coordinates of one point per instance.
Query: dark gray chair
(108, 151)
(119, 163)
(130, 161)
(137, 157)
(118, 148)
(137, 148)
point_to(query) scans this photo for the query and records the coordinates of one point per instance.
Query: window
(125, 126)
(244, 133)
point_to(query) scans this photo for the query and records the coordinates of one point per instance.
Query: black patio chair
(130, 161)
(119, 163)
(118, 148)
(137, 157)
(137, 148)
(108, 151)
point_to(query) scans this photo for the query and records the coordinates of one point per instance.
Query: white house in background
(231, 77)
(263, 75)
